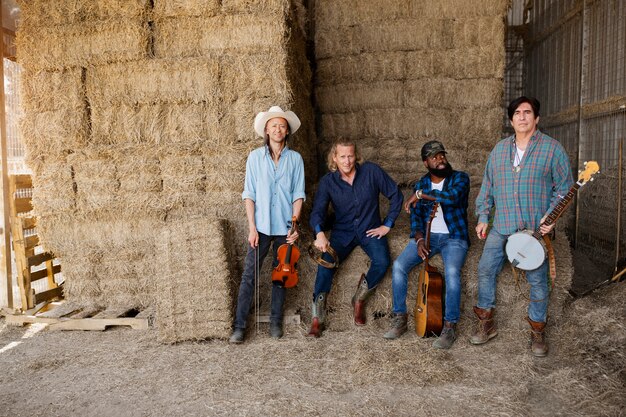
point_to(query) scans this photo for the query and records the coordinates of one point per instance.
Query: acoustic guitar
(526, 249)
(429, 303)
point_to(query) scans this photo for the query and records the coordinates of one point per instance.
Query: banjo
(526, 249)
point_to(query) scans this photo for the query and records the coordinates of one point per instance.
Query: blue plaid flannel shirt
(453, 200)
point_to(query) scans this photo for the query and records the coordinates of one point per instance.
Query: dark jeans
(246, 288)
(376, 249)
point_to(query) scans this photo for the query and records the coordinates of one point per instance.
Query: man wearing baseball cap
(449, 237)
(273, 193)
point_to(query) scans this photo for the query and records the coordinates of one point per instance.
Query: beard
(443, 172)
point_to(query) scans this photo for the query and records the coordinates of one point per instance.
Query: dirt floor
(124, 372)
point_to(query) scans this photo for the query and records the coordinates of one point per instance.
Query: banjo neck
(558, 210)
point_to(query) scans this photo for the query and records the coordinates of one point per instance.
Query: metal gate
(574, 63)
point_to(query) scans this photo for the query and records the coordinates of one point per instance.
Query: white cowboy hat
(275, 111)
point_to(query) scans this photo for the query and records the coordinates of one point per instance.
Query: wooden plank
(99, 324)
(49, 294)
(43, 273)
(29, 222)
(86, 312)
(39, 259)
(23, 205)
(58, 309)
(31, 241)
(113, 312)
(22, 319)
(22, 181)
(147, 313)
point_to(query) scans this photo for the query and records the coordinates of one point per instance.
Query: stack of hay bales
(138, 122)
(394, 77)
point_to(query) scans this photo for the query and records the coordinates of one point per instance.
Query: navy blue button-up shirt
(356, 206)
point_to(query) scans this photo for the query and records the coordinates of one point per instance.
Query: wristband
(418, 194)
(417, 242)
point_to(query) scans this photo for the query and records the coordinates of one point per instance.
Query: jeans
(491, 263)
(376, 249)
(246, 288)
(453, 252)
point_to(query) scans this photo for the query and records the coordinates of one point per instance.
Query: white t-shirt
(439, 224)
(519, 154)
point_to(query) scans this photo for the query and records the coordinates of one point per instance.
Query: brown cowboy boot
(358, 300)
(538, 344)
(318, 315)
(398, 326)
(486, 329)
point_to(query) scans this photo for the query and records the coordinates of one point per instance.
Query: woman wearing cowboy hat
(273, 194)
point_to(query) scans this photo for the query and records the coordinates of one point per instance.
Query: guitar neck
(427, 239)
(559, 209)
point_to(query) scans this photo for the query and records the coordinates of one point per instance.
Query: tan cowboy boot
(358, 300)
(538, 344)
(318, 315)
(486, 329)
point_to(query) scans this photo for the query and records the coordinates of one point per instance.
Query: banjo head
(524, 251)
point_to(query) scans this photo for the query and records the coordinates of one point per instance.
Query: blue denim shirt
(273, 188)
(356, 206)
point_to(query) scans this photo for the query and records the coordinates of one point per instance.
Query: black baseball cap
(432, 148)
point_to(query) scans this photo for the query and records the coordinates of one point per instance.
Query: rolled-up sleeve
(298, 190)
(320, 206)
(249, 186)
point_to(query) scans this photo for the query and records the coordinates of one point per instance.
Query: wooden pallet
(32, 261)
(65, 316)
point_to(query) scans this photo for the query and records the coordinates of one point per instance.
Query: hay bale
(54, 133)
(194, 285)
(43, 13)
(154, 81)
(43, 90)
(178, 8)
(199, 36)
(180, 125)
(53, 189)
(82, 43)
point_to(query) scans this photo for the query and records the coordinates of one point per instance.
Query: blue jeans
(490, 265)
(376, 249)
(453, 252)
(246, 288)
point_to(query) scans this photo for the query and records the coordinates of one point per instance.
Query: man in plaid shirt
(449, 236)
(525, 177)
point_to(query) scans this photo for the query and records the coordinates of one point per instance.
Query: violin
(286, 274)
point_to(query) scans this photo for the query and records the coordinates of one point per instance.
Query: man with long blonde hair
(352, 188)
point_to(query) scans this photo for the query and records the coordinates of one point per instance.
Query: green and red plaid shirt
(522, 198)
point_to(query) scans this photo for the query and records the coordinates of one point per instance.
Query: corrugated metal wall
(575, 65)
